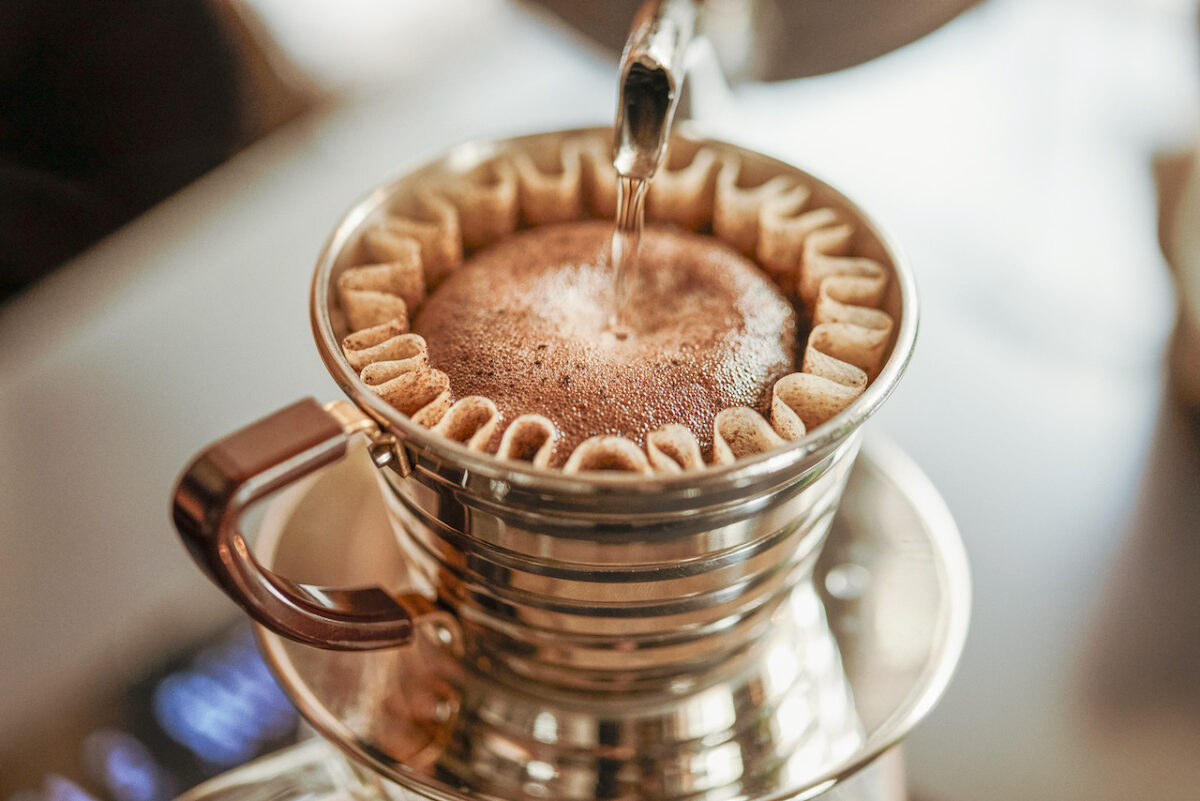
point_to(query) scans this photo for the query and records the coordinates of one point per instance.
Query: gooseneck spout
(652, 73)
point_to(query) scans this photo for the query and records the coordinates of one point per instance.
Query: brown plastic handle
(233, 473)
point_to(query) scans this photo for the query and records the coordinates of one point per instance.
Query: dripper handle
(229, 476)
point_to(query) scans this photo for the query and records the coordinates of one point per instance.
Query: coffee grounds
(525, 323)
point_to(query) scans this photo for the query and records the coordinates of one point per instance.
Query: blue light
(194, 710)
(125, 767)
(225, 704)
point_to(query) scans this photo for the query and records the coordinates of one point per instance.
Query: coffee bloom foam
(806, 249)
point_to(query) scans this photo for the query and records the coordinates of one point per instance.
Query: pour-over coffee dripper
(569, 636)
(617, 610)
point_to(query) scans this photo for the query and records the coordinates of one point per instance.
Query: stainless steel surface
(651, 82)
(308, 770)
(314, 770)
(848, 667)
(613, 591)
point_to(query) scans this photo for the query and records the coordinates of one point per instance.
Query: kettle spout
(652, 74)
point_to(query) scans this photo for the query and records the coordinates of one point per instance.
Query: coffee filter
(806, 237)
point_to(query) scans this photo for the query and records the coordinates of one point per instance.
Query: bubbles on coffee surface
(524, 324)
